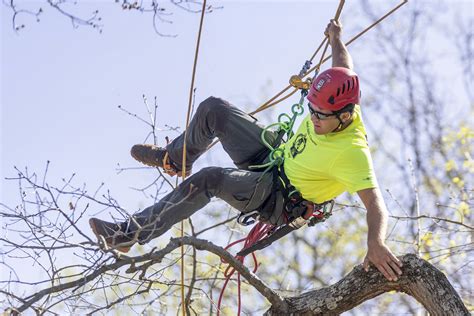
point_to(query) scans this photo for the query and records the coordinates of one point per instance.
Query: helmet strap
(341, 123)
(348, 108)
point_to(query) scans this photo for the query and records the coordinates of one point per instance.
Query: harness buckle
(321, 212)
(247, 219)
(297, 222)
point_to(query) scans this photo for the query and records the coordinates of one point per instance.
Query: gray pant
(243, 189)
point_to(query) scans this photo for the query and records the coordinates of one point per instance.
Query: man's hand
(384, 260)
(340, 55)
(333, 30)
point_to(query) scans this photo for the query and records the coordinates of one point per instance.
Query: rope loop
(258, 232)
(297, 109)
(277, 155)
(264, 132)
(284, 124)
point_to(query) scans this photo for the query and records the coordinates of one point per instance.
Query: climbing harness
(281, 183)
(294, 206)
(319, 213)
(297, 211)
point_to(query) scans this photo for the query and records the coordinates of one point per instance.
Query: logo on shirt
(298, 145)
(367, 179)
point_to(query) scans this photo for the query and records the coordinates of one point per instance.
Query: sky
(61, 86)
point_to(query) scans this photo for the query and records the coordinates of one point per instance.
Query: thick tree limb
(420, 279)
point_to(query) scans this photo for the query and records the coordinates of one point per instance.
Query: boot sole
(188, 172)
(147, 164)
(123, 249)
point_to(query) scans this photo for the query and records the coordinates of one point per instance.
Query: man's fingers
(365, 265)
(396, 260)
(335, 22)
(387, 271)
(384, 271)
(395, 263)
(395, 267)
(393, 275)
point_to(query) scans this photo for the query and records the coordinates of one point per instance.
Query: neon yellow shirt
(322, 167)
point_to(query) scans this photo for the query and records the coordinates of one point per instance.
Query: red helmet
(335, 88)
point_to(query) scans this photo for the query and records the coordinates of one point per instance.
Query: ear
(345, 116)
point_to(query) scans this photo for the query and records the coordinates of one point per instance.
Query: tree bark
(420, 279)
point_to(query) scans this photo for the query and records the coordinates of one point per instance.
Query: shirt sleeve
(353, 168)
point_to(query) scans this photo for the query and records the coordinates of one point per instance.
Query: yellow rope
(269, 103)
(183, 168)
(326, 39)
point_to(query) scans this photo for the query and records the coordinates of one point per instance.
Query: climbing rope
(271, 102)
(183, 171)
(296, 80)
(258, 232)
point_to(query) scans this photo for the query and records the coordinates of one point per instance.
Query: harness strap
(269, 205)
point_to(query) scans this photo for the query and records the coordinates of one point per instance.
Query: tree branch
(156, 257)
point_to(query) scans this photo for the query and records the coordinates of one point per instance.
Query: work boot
(155, 156)
(113, 234)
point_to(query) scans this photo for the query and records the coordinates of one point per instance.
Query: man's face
(322, 124)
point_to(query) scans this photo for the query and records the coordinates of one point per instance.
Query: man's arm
(378, 253)
(340, 55)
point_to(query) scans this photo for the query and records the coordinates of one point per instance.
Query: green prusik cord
(285, 123)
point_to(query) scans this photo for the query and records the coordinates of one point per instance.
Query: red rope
(259, 231)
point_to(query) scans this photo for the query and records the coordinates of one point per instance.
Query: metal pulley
(297, 82)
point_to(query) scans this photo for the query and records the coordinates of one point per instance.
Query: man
(327, 156)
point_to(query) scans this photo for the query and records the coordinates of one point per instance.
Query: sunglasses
(319, 115)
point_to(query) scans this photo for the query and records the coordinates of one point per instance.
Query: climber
(327, 156)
